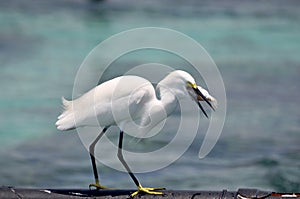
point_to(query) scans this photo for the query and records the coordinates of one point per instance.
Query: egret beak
(198, 96)
(201, 96)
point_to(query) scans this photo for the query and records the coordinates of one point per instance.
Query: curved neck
(168, 100)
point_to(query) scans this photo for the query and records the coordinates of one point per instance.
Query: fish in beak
(200, 94)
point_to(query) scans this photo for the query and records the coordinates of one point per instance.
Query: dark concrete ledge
(18, 193)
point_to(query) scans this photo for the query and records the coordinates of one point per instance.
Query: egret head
(183, 85)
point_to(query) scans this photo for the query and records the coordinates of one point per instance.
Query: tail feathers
(67, 107)
(66, 104)
(66, 120)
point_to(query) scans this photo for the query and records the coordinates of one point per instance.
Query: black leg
(121, 158)
(135, 180)
(92, 155)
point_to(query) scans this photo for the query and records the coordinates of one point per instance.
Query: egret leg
(141, 189)
(97, 184)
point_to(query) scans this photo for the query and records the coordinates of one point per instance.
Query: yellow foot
(147, 190)
(98, 186)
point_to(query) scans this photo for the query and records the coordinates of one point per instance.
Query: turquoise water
(255, 44)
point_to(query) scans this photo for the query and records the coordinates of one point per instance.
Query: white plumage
(131, 103)
(128, 98)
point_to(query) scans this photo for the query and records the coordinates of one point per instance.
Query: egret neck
(167, 99)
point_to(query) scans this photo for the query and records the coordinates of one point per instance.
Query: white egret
(111, 100)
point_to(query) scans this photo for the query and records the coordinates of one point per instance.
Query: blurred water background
(255, 44)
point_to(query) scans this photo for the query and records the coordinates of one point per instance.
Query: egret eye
(191, 85)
